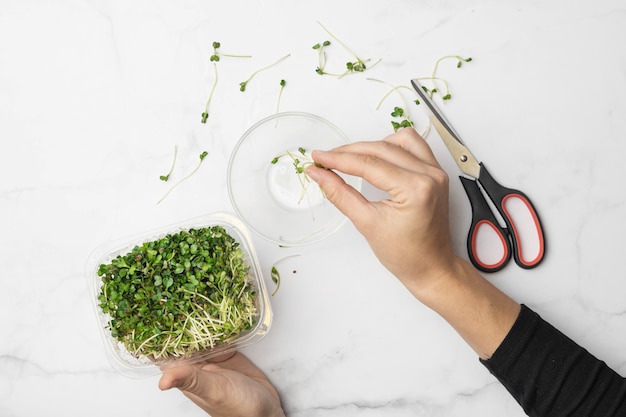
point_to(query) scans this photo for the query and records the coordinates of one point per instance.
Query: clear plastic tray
(128, 364)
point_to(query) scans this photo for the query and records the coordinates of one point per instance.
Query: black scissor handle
(521, 219)
(485, 231)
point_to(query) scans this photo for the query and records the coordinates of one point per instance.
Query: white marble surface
(95, 94)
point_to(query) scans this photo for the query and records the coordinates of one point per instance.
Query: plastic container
(133, 366)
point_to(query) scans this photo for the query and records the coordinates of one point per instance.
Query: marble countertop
(94, 95)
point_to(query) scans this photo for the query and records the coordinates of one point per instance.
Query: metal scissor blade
(462, 156)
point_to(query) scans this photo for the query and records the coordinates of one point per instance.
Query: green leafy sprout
(280, 93)
(321, 56)
(244, 84)
(166, 177)
(202, 156)
(398, 112)
(300, 161)
(275, 274)
(352, 67)
(179, 294)
(405, 121)
(215, 57)
(217, 54)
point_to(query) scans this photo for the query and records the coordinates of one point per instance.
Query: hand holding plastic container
(181, 294)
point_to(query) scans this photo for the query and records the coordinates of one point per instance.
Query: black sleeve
(550, 375)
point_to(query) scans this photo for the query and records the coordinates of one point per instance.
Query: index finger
(382, 173)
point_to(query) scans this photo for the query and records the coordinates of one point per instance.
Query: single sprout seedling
(205, 113)
(167, 176)
(321, 56)
(280, 93)
(275, 278)
(217, 54)
(300, 163)
(179, 294)
(202, 156)
(275, 275)
(215, 57)
(243, 84)
(352, 67)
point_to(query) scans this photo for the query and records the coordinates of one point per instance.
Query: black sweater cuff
(550, 375)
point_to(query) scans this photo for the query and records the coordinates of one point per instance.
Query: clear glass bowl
(275, 201)
(125, 362)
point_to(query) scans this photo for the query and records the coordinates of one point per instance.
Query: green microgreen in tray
(179, 294)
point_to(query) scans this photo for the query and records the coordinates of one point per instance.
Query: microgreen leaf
(397, 112)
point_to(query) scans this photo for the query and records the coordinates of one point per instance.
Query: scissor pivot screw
(463, 158)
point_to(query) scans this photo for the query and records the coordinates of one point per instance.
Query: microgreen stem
(202, 156)
(339, 41)
(392, 89)
(460, 61)
(167, 176)
(243, 84)
(205, 114)
(280, 93)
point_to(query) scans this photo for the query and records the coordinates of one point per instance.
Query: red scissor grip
(488, 245)
(528, 242)
(521, 218)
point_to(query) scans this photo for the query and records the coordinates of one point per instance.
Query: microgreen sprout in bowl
(267, 183)
(296, 161)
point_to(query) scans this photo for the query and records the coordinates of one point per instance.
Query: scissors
(490, 243)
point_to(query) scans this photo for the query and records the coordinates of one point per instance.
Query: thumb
(348, 200)
(190, 379)
(177, 376)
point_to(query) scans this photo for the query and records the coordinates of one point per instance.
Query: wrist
(476, 309)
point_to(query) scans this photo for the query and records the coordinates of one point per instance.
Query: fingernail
(317, 152)
(313, 173)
